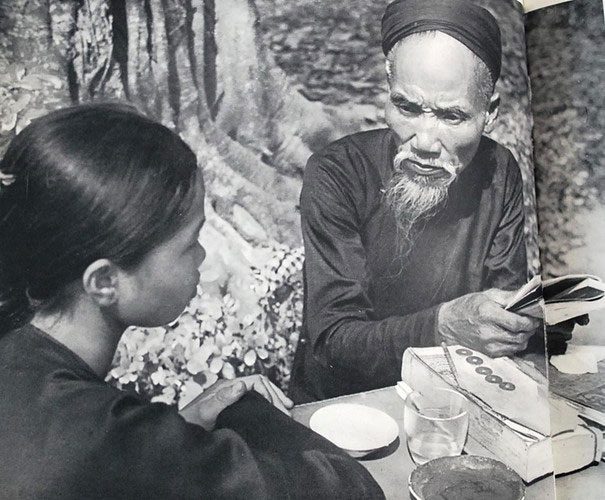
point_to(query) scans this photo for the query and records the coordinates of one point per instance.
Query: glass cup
(435, 424)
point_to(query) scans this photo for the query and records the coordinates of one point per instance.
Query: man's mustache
(406, 155)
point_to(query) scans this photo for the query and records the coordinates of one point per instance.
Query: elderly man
(414, 234)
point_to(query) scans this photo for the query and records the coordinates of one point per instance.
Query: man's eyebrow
(451, 109)
(400, 100)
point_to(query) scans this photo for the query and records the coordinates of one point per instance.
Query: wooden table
(392, 468)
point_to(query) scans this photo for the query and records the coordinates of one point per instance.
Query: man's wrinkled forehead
(464, 21)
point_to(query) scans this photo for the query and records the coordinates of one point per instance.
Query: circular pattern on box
(464, 352)
(483, 370)
(493, 379)
(507, 386)
(474, 360)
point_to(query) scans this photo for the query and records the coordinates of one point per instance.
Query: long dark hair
(82, 183)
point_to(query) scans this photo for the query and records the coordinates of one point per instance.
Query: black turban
(468, 23)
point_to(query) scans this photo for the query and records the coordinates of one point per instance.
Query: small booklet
(563, 298)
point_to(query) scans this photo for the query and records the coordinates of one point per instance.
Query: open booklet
(559, 299)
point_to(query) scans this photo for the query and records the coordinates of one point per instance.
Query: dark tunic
(65, 433)
(364, 304)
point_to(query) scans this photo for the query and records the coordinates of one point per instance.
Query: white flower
(208, 324)
(228, 371)
(159, 377)
(261, 339)
(199, 359)
(117, 372)
(230, 304)
(168, 396)
(210, 306)
(189, 323)
(232, 324)
(250, 358)
(127, 378)
(211, 378)
(216, 365)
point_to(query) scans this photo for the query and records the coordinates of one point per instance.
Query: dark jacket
(364, 304)
(65, 433)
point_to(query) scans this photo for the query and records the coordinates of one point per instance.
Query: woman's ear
(100, 281)
(492, 111)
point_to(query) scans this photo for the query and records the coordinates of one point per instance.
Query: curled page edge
(531, 5)
(524, 290)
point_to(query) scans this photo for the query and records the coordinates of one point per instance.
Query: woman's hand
(205, 409)
(269, 391)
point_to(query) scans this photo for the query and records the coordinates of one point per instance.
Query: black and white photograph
(278, 249)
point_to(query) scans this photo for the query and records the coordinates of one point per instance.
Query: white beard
(413, 197)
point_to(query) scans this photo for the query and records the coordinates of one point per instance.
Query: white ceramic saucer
(357, 429)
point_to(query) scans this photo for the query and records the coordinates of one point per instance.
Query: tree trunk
(199, 67)
(32, 66)
(258, 106)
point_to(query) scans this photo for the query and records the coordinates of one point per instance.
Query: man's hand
(205, 409)
(479, 321)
